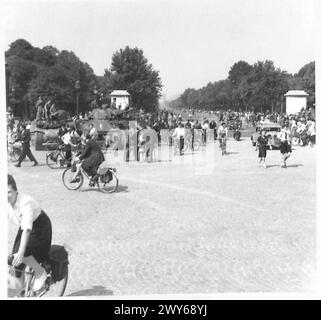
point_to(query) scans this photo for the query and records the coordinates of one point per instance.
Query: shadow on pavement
(287, 166)
(293, 165)
(119, 189)
(94, 291)
(228, 153)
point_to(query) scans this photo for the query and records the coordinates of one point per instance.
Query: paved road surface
(199, 224)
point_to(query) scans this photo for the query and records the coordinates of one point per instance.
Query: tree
(267, 86)
(307, 79)
(238, 79)
(49, 73)
(20, 48)
(131, 71)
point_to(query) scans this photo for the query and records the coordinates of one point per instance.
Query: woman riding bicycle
(33, 240)
(90, 158)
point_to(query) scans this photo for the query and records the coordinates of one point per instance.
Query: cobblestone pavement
(207, 225)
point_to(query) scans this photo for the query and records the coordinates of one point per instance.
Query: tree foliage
(49, 73)
(258, 87)
(131, 71)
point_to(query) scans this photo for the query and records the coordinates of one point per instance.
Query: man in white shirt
(33, 240)
(68, 140)
(311, 133)
(179, 135)
(222, 137)
(205, 127)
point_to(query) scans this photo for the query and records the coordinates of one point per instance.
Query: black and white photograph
(159, 149)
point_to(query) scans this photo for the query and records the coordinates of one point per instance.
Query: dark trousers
(26, 152)
(68, 157)
(181, 144)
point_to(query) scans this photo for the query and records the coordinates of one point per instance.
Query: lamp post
(77, 86)
(7, 85)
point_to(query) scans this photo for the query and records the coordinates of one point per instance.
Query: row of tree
(32, 72)
(259, 87)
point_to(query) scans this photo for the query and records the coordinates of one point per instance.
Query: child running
(262, 142)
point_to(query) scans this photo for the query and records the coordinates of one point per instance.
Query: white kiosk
(295, 101)
(120, 99)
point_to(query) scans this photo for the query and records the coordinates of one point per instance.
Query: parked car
(272, 129)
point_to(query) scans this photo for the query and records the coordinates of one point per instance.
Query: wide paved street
(201, 223)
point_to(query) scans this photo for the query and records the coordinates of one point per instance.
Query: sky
(191, 43)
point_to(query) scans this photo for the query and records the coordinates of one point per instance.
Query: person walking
(179, 135)
(285, 145)
(25, 139)
(262, 142)
(222, 137)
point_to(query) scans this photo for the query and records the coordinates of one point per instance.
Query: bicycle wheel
(111, 186)
(68, 175)
(53, 162)
(54, 289)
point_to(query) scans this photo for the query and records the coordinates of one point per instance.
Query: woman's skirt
(262, 151)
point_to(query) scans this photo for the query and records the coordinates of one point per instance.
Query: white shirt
(284, 135)
(311, 130)
(24, 212)
(179, 132)
(301, 127)
(222, 130)
(66, 138)
(93, 132)
(205, 126)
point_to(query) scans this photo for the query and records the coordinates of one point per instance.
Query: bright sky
(191, 43)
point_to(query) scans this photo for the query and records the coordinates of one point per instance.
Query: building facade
(295, 101)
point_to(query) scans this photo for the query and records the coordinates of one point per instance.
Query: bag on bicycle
(58, 258)
(108, 176)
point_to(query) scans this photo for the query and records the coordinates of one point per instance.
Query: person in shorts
(285, 144)
(33, 240)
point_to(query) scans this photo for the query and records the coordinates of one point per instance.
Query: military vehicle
(107, 121)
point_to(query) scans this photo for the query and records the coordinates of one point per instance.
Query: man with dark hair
(33, 238)
(25, 138)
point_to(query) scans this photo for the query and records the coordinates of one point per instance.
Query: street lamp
(77, 86)
(7, 85)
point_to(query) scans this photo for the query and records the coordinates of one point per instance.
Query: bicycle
(56, 159)
(106, 179)
(56, 267)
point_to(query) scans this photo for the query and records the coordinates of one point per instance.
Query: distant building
(295, 101)
(120, 99)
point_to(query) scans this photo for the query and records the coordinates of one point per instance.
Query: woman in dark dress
(90, 158)
(262, 142)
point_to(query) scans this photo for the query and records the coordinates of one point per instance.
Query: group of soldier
(45, 110)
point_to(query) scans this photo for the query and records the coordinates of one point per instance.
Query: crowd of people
(181, 130)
